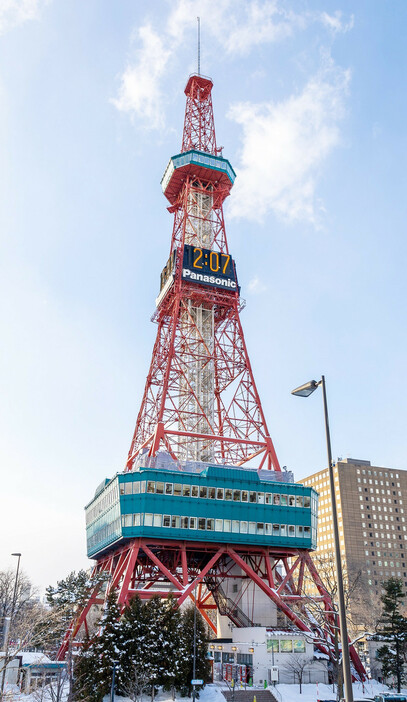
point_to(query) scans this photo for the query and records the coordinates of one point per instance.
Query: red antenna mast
(200, 401)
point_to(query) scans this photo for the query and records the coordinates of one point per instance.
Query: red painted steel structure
(236, 433)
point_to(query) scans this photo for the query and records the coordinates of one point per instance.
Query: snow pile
(312, 692)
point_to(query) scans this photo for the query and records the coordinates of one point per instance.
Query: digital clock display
(209, 268)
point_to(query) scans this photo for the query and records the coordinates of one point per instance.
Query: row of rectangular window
(105, 500)
(104, 533)
(208, 524)
(212, 493)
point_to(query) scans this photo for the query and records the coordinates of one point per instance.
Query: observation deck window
(226, 525)
(276, 530)
(299, 501)
(175, 522)
(236, 495)
(268, 529)
(291, 530)
(168, 488)
(252, 527)
(210, 524)
(283, 500)
(307, 501)
(276, 499)
(201, 523)
(283, 530)
(219, 494)
(192, 522)
(291, 500)
(128, 489)
(243, 527)
(260, 528)
(203, 492)
(159, 488)
(186, 490)
(235, 526)
(136, 488)
(307, 531)
(212, 493)
(218, 524)
(150, 487)
(228, 494)
(245, 496)
(148, 520)
(177, 489)
(166, 520)
(136, 520)
(157, 520)
(253, 497)
(299, 530)
(260, 498)
(194, 491)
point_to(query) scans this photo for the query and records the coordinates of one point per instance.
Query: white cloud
(234, 26)
(139, 91)
(15, 12)
(284, 146)
(255, 286)
(336, 23)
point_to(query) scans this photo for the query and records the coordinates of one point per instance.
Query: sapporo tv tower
(202, 509)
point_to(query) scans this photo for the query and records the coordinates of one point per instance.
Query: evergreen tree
(392, 630)
(107, 647)
(173, 648)
(85, 673)
(202, 665)
(132, 675)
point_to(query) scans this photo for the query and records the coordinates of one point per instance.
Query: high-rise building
(372, 511)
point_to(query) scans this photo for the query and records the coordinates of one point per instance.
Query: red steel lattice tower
(200, 406)
(200, 400)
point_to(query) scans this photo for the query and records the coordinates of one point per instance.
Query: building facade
(372, 513)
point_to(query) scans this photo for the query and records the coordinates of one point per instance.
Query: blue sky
(310, 106)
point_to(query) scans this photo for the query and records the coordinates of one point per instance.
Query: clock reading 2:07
(209, 268)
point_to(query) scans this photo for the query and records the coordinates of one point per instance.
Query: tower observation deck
(202, 508)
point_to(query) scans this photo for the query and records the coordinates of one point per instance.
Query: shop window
(286, 646)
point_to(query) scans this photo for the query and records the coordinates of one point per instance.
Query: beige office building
(372, 512)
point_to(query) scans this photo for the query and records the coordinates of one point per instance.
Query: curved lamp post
(304, 391)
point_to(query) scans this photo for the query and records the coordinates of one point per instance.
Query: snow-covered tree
(392, 630)
(202, 665)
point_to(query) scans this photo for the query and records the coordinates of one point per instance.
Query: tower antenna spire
(199, 45)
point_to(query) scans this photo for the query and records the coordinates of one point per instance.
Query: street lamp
(304, 391)
(7, 624)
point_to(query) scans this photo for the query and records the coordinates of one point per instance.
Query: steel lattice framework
(201, 403)
(200, 400)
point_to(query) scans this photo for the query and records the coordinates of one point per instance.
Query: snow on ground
(213, 693)
(313, 693)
